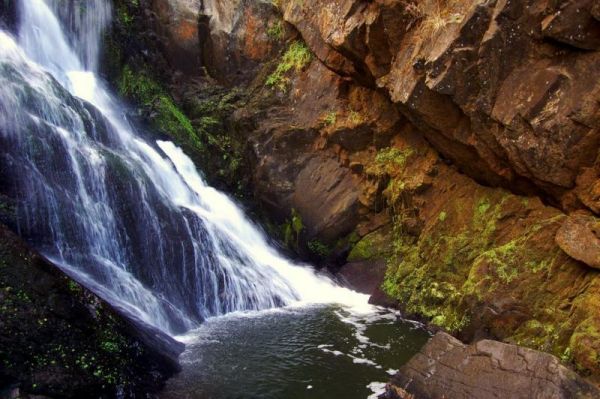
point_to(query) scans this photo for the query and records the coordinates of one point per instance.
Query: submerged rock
(446, 368)
(58, 339)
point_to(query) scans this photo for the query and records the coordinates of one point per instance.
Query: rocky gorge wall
(441, 154)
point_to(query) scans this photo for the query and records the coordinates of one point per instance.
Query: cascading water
(132, 220)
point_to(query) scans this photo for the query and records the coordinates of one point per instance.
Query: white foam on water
(333, 352)
(361, 321)
(378, 388)
(359, 360)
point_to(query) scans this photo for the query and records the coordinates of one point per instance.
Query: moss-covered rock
(375, 245)
(140, 87)
(58, 339)
(476, 261)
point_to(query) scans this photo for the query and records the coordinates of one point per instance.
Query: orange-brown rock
(177, 23)
(579, 237)
(486, 83)
(239, 35)
(574, 24)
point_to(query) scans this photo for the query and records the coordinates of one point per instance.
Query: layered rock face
(441, 144)
(57, 339)
(507, 90)
(488, 369)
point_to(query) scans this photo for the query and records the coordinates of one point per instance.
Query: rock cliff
(445, 149)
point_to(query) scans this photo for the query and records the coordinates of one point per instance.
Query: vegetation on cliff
(484, 261)
(295, 58)
(144, 90)
(194, 115)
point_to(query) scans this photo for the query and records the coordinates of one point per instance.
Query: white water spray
(138, 226)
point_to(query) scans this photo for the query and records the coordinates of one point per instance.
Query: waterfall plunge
(132, 220)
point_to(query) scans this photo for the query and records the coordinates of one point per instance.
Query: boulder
(579, 238)
(446, 368)
(327, 199)
(363, 276)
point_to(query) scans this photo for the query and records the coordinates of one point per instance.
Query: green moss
(363, 250)
(502, 259)
(297, 225)
(482, 206)
(374, 245)
(539, 335)
(292, 229)
(223, 158)
(330, 118)
(276, 30)
(74, 287)
(389, 160)
(584, 346)
(296, 58)
(355, 117)
(433, 275)
(125, 10)
(319, 249)
(140, 87)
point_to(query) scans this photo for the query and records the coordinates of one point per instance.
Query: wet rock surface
(363, 276)
(57, 339)
(8, 15)
(446, 368)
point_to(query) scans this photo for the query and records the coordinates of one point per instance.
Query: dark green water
(316, 352)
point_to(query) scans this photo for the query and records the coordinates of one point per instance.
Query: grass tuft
(297, 57)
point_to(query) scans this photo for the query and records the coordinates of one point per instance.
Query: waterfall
(129, 218)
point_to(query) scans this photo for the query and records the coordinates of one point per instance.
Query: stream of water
(133, 220)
